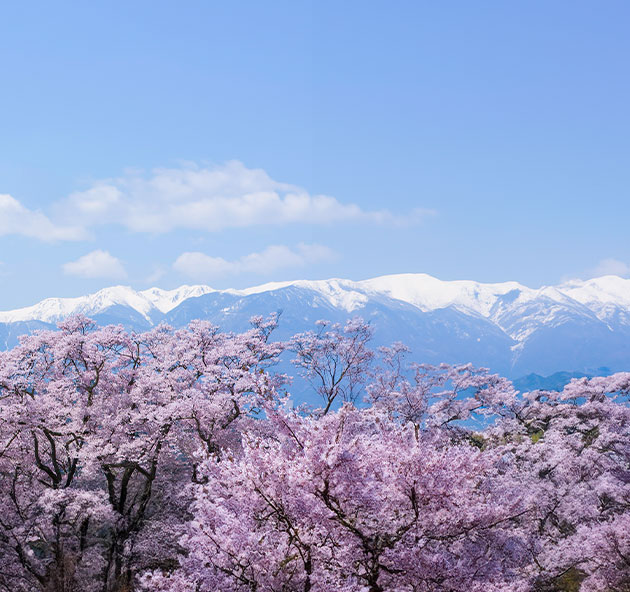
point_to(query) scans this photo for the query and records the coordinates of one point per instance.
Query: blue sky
(233, 143)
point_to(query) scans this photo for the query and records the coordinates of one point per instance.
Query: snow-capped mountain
(575, 326)
(147, 304)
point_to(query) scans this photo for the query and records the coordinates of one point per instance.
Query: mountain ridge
(418, 289)
(574, 326)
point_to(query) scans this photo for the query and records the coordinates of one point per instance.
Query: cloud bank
(610, 267)
(210, 199)
(16, 219)
(97, 264)
(202, 267)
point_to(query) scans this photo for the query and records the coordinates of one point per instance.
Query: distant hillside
(556, 382)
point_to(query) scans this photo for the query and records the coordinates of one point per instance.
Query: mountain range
(579, 326)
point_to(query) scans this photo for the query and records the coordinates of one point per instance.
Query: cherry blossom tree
(334, 359)
(352, 501)
(97, 433)
(572, 450)
(166, 461)
(324, 502)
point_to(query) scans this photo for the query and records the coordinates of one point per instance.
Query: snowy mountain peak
(167, 300)
(605, 289)
(429, 293)
(490, 301)
(52, 310)
(147, 302)
(578, 325)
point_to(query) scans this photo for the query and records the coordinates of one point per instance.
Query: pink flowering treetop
(334, 359)
(97, 433)
(165, 461)
(351, 502)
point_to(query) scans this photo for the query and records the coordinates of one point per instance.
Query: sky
(154, 143)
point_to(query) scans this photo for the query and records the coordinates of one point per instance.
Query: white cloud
(97, 264)
(210, 199)
(610, 267)
(19, 220)
(157, 274)
(202, 267)
(607, 266)
(190, 197)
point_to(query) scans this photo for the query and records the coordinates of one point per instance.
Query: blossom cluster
(173, 461)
